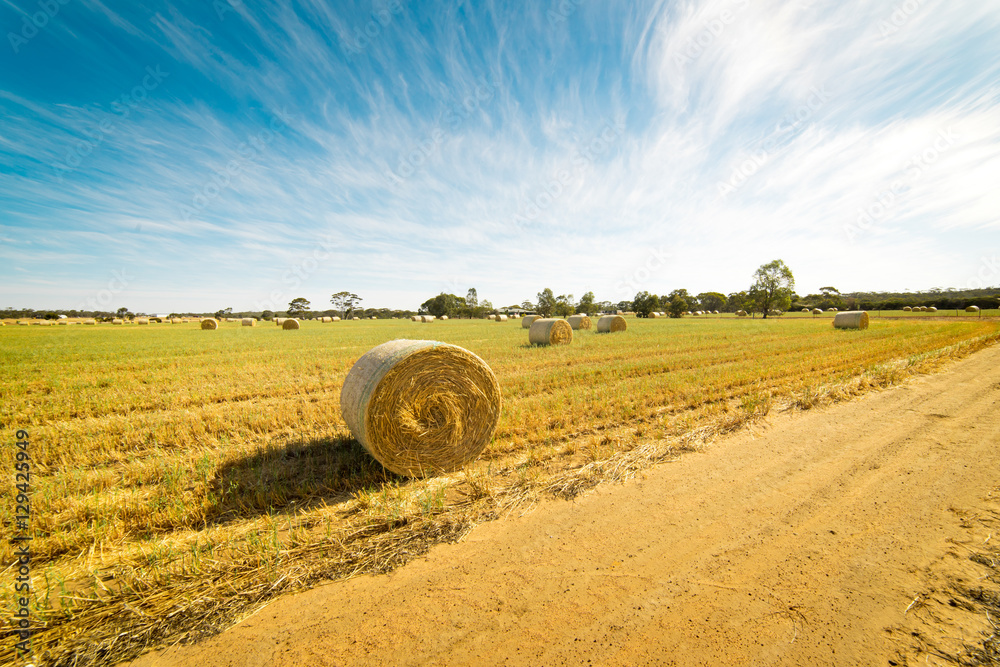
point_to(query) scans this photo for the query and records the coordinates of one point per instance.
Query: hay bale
(336, 319)
(290, 324)
(357, 319)
(653, 316)
(932, 309)
(972, 309)
(831, 310)
(501, 318)
(61, 322)
(443, 317)
(817, 311)
(490, 317)
(696, 313)
(139, 320)
(427, 318)
(280, 320)
(611, 324)
(90, 322)
(580, 322)
(421, 407)
(249, 322)
(528, 319)
(209, 323)
(907, 309)
(326, 320)
(806, 310)
(117, 321)
(550, 331)
(416, 318)
(851, 319)
(741, 313)
(618, 312)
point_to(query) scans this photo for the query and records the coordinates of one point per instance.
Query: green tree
(346, 303)
(587, 305)
(472, 298)
(298, 307)
(678, 304)
(266, 315)
(712, 300)
(223, 313)
(772, 287)
(443, 304)
(644, 303)
(546, 303)
(564, 305)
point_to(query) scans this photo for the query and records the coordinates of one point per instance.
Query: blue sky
(234, 153)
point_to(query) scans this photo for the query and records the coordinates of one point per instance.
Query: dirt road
(802, 543)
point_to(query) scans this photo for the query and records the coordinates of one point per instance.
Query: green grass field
(194, 474)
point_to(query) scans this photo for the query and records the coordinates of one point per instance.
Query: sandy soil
(802, 543)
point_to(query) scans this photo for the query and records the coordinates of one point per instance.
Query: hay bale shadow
(303, 473)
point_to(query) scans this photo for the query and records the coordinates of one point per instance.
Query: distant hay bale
(427, 318)
(280, 320)
(831, 310)
(501, 318)
(528, 319)
(715, 312)
(63, 322)
(611, 324)
(444, 317)
(90, 322)
(851, 319)
(490, 317)
(619, 312)
(580, 322)
(117, 321)
(550, 331)
(23, 324)
(972, 309)
(336, 318)
(416, 318)
(805, 310)
(817, 311)
(932, 309)
(653, 316)
(907, 309)
(326, 320)
(209, 323)
(249, 322)
(741, 313)
(356, 318)
(138, 320)
(421, 407)
(290, 324)
(696, 313)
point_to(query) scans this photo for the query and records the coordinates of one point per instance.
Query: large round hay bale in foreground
(421, 407)
(851, 319)
(209, 323)
(972, 309)
(527, 320)
(290, 324)
(550, 331)
(249, 322)
(580, 322)
(611, 324)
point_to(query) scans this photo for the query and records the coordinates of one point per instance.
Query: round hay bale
(817, 311)
(715, 312)
(932, 309)
(209, 323)
(972, 309)
(356, 318)
(831, 310)
(580, 322)
(741, 313)
(444, 317)
(64, 322)
(138, 320)
(280, 320)
(117, 321)
(427, 318)
(501, 318)
(923, 309)
(611, 324)
(907, 309)
(490, 317)
(653, 316)
(421, 407)
(326, 320)
(416, 318)
(806, 310)
(550, 331)
(90, 322)
(336, 319)
(528, 319)
(249, 322)
(851, 319)
(618, 312)
(290, 324)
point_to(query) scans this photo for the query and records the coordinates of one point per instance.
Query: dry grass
(180, 485)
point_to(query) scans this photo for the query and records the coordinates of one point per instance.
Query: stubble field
(183, 477)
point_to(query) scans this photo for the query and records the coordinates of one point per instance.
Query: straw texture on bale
(550, 331)
(907, 309)
(117, 321)
(653, 316)
(501, 318)
(209, 323)
(140, 320)
(336, 319)
(851, 319)
(580, 322)
(280, 320)
(932, 309)
(427, 318)
(249, 322)
(421, 407)
(817, 311)
(972, 309)
(416, 318)
(326, 320)
(528, 319)
(611, 324)
(290, 323)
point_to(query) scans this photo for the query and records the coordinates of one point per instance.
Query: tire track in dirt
(800, 543)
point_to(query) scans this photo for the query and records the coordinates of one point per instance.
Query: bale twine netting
(550, 331)
(580, 322)
(851, 319)
(209, 323)
(527, 320)
(421, 407)
(611, 324)
(290, 323)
